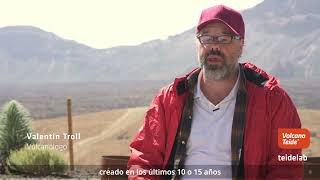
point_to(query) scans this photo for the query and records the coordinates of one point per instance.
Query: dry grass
(310, 119)
(110, 132)
(102, 133)
(88, 125)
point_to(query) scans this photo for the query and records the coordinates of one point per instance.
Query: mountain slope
(281, 37)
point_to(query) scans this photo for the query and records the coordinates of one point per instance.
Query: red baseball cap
(224, 14)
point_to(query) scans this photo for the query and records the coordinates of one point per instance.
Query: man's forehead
(217, 27)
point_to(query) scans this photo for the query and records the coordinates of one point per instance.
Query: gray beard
(218, 73)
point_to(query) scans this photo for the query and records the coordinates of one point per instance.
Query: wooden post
(70, 133)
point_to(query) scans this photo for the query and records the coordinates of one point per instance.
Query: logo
(293, 138)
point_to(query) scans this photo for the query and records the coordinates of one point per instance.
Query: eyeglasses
(223, 39)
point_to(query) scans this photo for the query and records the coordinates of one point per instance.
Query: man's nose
(212, 50)
(213, 46)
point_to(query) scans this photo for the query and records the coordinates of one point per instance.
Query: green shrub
(39, 162)
(14, 127)
(2, 162)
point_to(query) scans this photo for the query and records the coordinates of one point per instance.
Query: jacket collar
(181, 84)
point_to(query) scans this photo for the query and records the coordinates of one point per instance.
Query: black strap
(241, 165)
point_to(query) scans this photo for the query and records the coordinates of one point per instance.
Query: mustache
(215, 52)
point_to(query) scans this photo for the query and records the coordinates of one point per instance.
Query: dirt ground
(110, 132)
(310, 119)
(102, 133)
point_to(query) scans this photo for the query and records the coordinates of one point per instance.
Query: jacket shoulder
(265, 83)
(179, 86)
(165, 93)
(259, 77)
(175, 88)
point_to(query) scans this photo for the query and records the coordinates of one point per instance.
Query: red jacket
(268, 108)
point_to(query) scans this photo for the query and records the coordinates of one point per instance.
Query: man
(224, 115)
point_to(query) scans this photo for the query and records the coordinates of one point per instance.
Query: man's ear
(196, 40)
(197, 43)
(242, 44)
